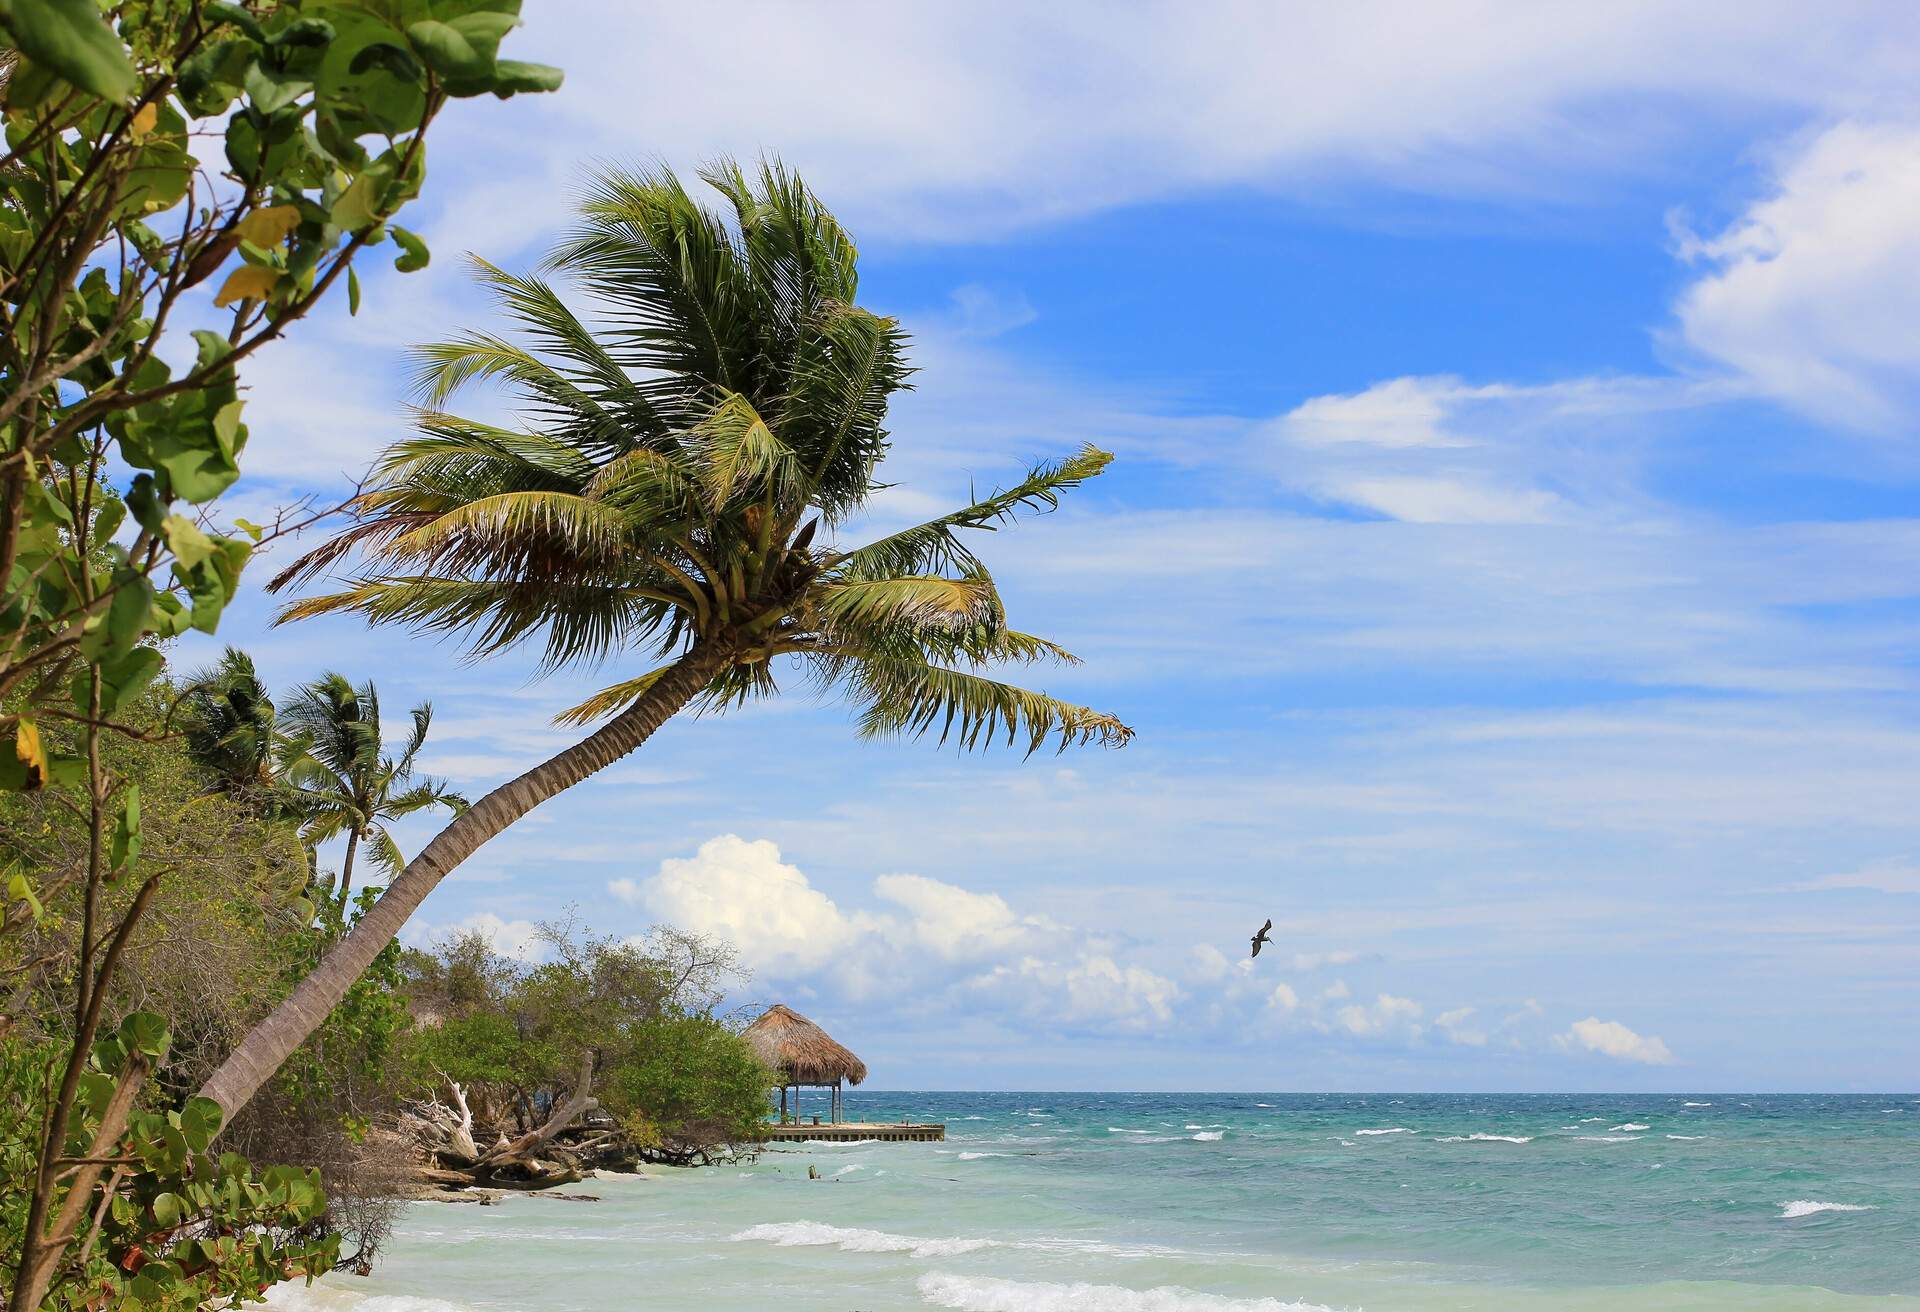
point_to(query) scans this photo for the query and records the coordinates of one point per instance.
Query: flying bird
(1261, 937)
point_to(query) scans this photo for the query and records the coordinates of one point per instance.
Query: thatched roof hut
(802, 1053)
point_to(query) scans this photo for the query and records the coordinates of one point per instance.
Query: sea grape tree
(183, 180)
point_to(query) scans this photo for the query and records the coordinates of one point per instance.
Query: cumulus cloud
(1609, 1038)
(742, 891)
(517, 939)
(1090, 989)
(927, 936)
(954, 922)
(1455, 1024)
(1811, 294)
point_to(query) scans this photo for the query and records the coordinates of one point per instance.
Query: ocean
(1120, 1202)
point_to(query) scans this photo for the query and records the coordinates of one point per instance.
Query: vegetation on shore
(175, 965)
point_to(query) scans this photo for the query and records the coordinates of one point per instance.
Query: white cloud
(1336, 991)
(1609, 1038)
(1318, 960)
(1386, 1014)
(1879, 877)
(984, 117)
(1284, 998)
(1455, 1025)
(950, 940)
(1091, 989)
(510, 938)
(742, 891)
(953, 922)
(1812, 294)
(1210, 964)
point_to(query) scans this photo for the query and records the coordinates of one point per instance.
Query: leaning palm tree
(674, 500)
(340, 781)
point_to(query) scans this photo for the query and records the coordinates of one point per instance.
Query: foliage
(183, 1227)
(677, 1078)
(118, 223)
(338, 779)
(685, 1084)
(684, 451)
(684, 463)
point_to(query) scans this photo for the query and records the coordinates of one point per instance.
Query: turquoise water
(1225, 1203)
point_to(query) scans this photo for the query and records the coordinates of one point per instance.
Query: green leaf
(121, 680)
(20, 890)
(224, 11)
(126, 617)
(143, 499)
(190, 546)
(169, 1210)
(514, 77)
(71, 38)
(413, 251)
(127, 838)
(142, 1031)
(199, 1121)
(353, 290)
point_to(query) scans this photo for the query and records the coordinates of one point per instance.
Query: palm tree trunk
(276, 1037)
(346, 867)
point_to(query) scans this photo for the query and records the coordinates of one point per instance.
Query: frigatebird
(1261, 937)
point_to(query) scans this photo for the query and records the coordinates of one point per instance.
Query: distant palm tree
(673, 497)
(338, 780)
(231, 731)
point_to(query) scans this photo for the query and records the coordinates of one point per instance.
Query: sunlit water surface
(1224, 1203)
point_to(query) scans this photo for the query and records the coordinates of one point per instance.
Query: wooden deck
(846, 1131)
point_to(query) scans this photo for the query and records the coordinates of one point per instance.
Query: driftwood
(446, 1134)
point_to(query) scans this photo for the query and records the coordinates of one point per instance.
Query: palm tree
(675, 494)
(231, 731)
(338, 780)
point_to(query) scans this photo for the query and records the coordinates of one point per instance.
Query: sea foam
(1208, 1136)
(1477, 1137)
(1808, 1207)
(849, 1239)
(987, 1294)
(1630, 1127)
(1398, 1129)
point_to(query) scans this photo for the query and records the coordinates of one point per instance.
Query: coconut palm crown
(673, 495)
(686, 457)
(340, 780)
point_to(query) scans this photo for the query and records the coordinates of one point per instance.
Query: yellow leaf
(144, 120)
(249, 282)
(270, 226)
(26, 746)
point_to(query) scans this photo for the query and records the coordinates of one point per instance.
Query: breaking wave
(848, 1239)
(1477, 1137)
(1808, 1207)
(986, 1294)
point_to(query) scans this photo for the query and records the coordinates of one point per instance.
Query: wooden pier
(848, 1131)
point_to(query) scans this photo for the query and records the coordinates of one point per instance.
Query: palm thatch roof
(801, 1051)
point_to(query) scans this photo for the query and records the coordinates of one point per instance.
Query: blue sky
(1510, 565)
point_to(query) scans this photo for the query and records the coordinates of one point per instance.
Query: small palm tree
(675, 495)
(338, 780)
(231, 731)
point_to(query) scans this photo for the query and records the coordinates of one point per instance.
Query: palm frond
(917, 601)
(933, 546)
(740, 458)
(608, 700)
(901, 698)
